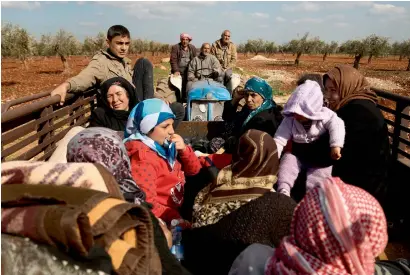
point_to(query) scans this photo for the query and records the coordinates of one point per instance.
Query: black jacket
(267, 121)
(104, 116)
(366, 153)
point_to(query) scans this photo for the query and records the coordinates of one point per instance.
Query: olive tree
(65, 44)
(93, 44)
(376, 46)
(16, 42)
(357, 48)
(328, 48)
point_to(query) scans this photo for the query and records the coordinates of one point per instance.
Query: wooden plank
(32, 125)
(38, 149)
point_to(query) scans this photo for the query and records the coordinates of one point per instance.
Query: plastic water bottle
(177, 248)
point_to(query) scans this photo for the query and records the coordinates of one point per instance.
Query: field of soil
(44, 73)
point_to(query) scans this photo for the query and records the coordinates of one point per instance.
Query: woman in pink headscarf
(336, 229)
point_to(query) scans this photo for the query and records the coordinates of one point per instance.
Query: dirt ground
(46, 72)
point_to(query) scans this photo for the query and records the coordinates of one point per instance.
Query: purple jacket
(307, 101)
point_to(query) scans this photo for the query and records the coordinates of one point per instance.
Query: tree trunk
(357, 61)
(24, 61)
(408, 65)
(400, 58)
(65, 63)
(297, 59)
(369, 61)
(324, 57)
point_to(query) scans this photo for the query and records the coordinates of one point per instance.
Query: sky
(205, 20)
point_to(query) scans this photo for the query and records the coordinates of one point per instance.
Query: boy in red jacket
(153, 147)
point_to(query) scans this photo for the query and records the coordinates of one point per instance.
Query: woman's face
(331, 95)
(117, 98)
(253, 100)
(162, 131)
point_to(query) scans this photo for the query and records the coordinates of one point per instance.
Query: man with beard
(181, 54)
(225, 52)
(204, 66)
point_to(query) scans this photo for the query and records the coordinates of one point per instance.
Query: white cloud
(308, 20)
(263, 26)
(280, 19)
(88, 24)
(341, 24)
(387, 9)
(303, 6)
(81, 3)
(232, 14)
(24, 5)
(260, 15)
(156, 10)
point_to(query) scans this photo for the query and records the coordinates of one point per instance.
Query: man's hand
(177, 74)
(238, 95)
(179, 142)
(335, 153)
(61, 90)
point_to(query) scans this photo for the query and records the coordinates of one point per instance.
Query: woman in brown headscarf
(239, 208)
(366, 152)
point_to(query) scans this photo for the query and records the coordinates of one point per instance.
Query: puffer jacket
(202, 66)
(164, 188)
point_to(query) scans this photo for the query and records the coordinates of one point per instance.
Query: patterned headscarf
(185, 35)
(104, 146)
(336, 229)
(251, 175)
(143, 118)
(261, 87)
(350, 84)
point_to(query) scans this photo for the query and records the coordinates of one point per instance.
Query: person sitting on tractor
(181, 54)
(225, 52)
(204, 66)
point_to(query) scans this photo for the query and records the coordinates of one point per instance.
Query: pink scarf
(336, 229)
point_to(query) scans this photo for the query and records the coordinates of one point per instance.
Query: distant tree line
(17, 42)
(371, 47)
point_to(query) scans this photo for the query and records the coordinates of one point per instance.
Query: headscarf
(307, 101)
(350, 84)
(336, 229)
(185, 35)
(145, 117)
(261, 87)
(104, 146)
(107, 117)
(252, 174)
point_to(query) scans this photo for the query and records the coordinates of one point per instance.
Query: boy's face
(119, 45)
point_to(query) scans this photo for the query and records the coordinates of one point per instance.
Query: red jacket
(164, 188)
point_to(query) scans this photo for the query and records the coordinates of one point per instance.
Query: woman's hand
(179, 142)
(335, 153)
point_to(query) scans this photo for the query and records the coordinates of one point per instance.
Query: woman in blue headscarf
(260, 112)
(159, 157)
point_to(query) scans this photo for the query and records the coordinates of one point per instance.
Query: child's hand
(335, 153)
(179, 142)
